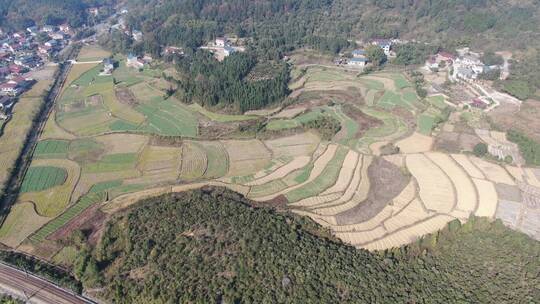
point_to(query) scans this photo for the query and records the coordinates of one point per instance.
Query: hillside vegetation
(325, 24)
(19, 14)
(213, 245)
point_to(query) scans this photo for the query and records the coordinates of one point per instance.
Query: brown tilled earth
(454, 142)
(364, 121)
(387, 181)
(90, 220)
(125, 96)
(525, 119)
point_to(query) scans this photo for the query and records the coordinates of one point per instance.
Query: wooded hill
(325, 24)
(20, 14)
(212, 245)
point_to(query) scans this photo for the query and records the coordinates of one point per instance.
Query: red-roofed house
(16, 69)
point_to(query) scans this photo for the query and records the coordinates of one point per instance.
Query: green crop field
(437, 101)
(167, 117)
(268, 188)
(426, 123)
(85, 149)
(104, 186)
(112, 163)
(400, 81)
(218, 160)
(82, 204)
(391, 99)
(281, 124)
(42, 178)
(51, 149)
(326, 179)
(372, 84)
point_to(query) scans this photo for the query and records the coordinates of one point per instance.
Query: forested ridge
(204, 80)
(326, 24)
(273, 28)
(19, 14)
(212, 245)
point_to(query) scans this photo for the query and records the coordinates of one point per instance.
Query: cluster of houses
(138, 62)
(25, 51)
(123, 27)
(466, 66)
(222, 47)
(359, 58)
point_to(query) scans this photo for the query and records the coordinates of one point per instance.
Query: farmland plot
(49, 184)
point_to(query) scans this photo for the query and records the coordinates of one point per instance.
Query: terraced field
(111, 143)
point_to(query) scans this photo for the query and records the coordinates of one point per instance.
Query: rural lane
(34, 289)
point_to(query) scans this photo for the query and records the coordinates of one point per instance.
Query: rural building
(64, 28)
(32, 29)
(134, 62)
(48, 29)
(173, 50)
(51, 43)
(6, 103)
(137, 35)
(108, 66)
(221, 41)
(358, 53)
(57, 36)
(93, 11)
(227, 50)
(384, 44)
(358, 62)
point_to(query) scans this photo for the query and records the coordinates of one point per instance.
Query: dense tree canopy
(211, 245)
(19, 14)
(227, 84)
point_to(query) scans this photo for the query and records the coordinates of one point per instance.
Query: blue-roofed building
(358, 53)
(362, 61)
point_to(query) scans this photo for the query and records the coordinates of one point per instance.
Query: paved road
(34, 289)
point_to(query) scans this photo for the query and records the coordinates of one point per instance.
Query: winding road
(33, 289)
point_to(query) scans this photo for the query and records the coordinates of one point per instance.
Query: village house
(173, 50)
(51, 43)
(16, 69)
(48, 28)
(108, 66)
(93, 11)
(227, 50)
(137, 35)
(358, 62)
(221, 41)
(384, 44)
(65, 28)
(57, 36)
(358, 53)
(134, 62)
(5, 104)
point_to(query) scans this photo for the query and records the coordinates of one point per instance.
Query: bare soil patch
(525, 119)
(125, 96)
(454, 142)
(364, 121)
(508, 192)
(387, 181)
